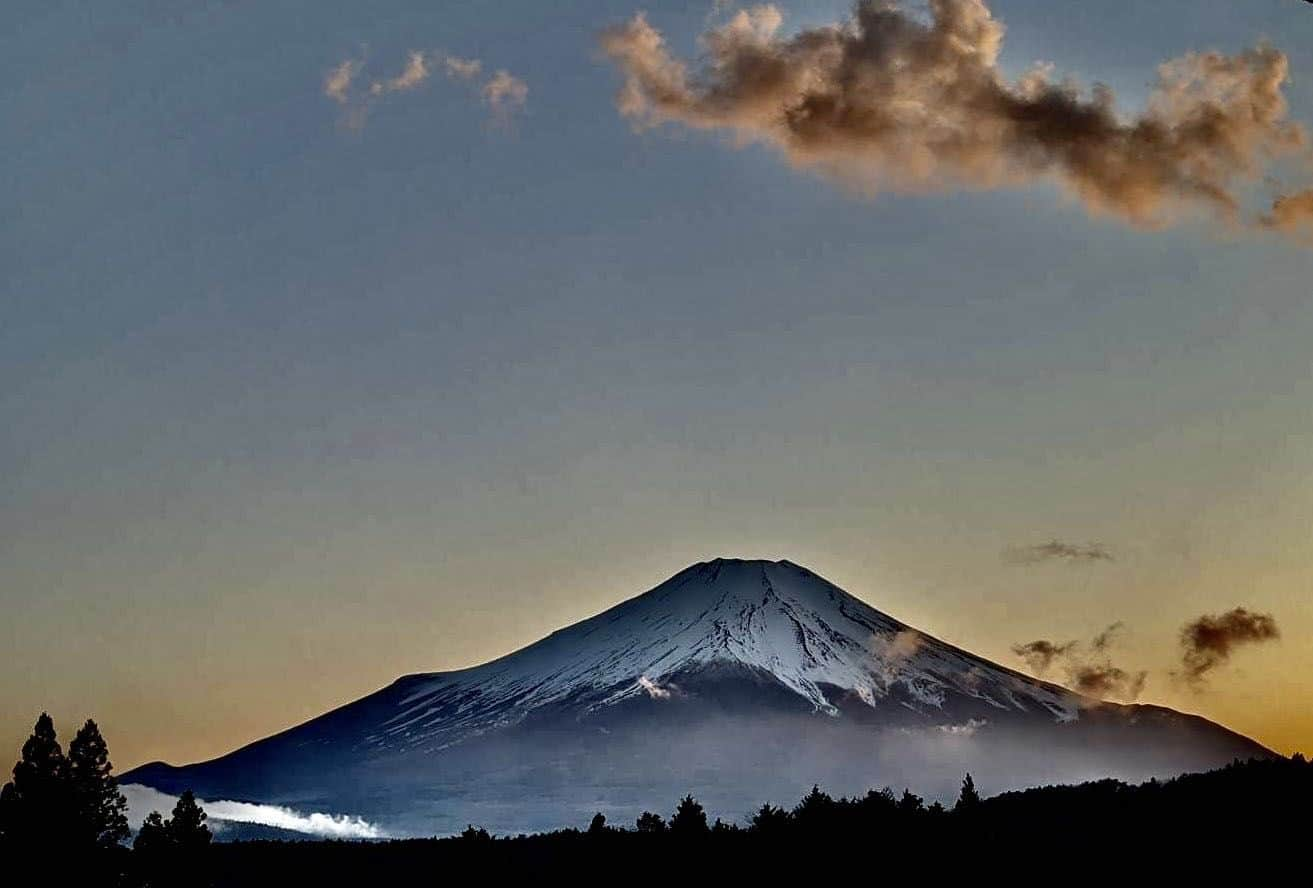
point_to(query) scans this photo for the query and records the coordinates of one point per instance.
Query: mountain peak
(772, 618)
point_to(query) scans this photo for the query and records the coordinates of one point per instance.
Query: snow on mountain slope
(775, 617)
(738, 681)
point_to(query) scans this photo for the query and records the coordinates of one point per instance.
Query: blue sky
(291, 407)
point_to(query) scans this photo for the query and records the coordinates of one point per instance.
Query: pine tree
(99, 809)
(689, 818)
(650, 823)
(186, 829)
(153, 837)
(968, 799)
(36, 802)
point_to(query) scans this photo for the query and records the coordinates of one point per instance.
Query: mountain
(738, 681)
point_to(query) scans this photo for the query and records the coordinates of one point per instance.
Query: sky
(320, 365)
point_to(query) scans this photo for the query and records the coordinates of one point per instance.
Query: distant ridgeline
(1246, 815)
(61, 818)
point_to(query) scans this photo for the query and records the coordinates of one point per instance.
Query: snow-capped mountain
(776, 618)
(743, 681)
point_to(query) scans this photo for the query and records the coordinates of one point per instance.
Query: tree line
(64, 813)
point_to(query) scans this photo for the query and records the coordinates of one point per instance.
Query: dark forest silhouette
(64, 816)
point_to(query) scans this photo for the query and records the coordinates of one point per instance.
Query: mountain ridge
(659, 693)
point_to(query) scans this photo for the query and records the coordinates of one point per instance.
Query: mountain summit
(742, 681)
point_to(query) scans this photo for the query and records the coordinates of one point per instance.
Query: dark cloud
(1057, 550)
(1105, 680)
(1039, 655)
(1209, 641)
(888, 100)
(1088, 666)
(1104, 639)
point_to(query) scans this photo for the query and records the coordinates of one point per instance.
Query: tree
(34, 806)
(770, 820)
(171, 852)
(187, 830)
(689, 818)
(650, 823)
(910, 803)
(968, 799)
(153, 838)
(598, 824)
(474, 833)
(815, 810)
(99, 809)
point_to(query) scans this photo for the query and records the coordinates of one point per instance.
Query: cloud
(1104, 639)
(1039, 655)
(1292, 214)
(1088, 667)
(143, 799)
(966, 729)
(505, 93)
(1105, 680)
(887, 100)
(1057, 550)
(1209, 641)
(415, 73)
(654, 690)
(462, 69)
(337, 83)
(897, 647)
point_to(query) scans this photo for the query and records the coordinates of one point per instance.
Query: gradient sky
(291, 407)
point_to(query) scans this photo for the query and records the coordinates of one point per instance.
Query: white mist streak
(143, 799)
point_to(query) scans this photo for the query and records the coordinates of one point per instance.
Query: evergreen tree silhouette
(815, 810)
(689, 818)
(35, 805)
(99, 809)
(474, 833)
(186, 829)
(650, 823)
(770, 820)
(598, 824)
(171, 853)
(910, 803)
(153, 838)
(968, 799)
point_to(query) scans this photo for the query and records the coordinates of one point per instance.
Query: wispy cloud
(967, 728)
(415, 73)
(887, 100)
(1088, 666)
(1209, 641)
(462, 69)
(337, 82)
(143, 799)
(503, 93)
(1040, 654)
(1056, 550)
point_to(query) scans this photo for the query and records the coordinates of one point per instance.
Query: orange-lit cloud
(502, 92)
(888, 101)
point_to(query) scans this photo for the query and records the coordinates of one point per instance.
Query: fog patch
(223, 814)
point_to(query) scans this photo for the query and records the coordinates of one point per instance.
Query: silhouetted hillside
(1248, 811)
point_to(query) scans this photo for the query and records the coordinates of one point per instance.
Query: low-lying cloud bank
(143, 799)
(887, 100)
